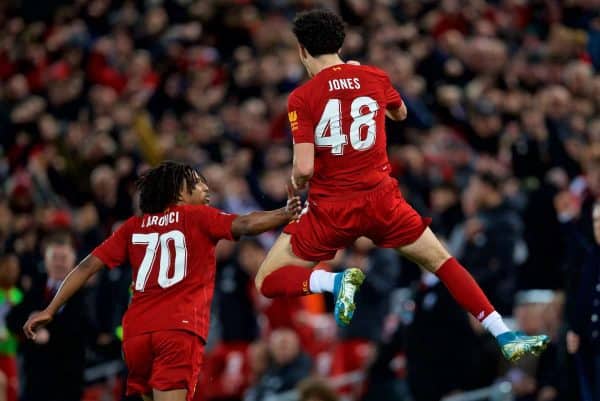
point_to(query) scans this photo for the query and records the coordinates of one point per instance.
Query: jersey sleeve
(113, 251)
(300, 120)
(214, 222)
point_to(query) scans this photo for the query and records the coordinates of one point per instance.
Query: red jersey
(341, 110)
(172, 255)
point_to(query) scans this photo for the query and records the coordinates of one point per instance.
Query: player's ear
(303, 52)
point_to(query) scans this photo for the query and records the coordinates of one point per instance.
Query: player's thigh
(391, 222)
(171, 395)
(321, 231)
(177, 361)
(138, 358)
(280, 255)
(427, 251)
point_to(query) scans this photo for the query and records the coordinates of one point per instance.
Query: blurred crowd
(501, 148)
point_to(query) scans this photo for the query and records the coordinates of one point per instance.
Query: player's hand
(36, 321)
(294, 204)
(42, 336)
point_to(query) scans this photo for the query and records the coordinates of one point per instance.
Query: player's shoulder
(128, 223)
(300, 91)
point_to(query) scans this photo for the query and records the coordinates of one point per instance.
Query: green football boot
(345, 286)
(515, 345)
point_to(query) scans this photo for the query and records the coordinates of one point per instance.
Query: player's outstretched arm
(259, 222)
(73, 283)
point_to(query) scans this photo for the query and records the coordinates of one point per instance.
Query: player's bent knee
(439, 262)
(435, 259)
(258, 281)
(427, 251)
(261, 274)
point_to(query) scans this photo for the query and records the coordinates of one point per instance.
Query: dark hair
(316, 388)
(161, 186)
(491, 180)
(319, 31)
(446, 186)
(61, 237)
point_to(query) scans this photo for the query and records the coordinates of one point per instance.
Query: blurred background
(501, 148)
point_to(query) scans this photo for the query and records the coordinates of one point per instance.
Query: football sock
(494, 324)
(321, 281)
(287, 281)
(465, 289)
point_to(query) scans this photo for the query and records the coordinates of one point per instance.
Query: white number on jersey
(332, 119)
(152, 242)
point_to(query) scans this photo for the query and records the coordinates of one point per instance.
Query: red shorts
(163, 360)
(381, 215)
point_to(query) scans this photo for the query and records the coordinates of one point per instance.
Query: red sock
(287, 281)
(464, 289)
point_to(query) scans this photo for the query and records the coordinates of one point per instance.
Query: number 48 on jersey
(363, 110)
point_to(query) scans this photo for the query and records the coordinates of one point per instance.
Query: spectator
(355, 348)
(443, 348)
(62, 340)
(227, 371)
(544, 378)
(289, 365)
(490, 240)
(583, 339)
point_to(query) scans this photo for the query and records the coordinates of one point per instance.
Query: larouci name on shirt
(344, 83)
(164, 220)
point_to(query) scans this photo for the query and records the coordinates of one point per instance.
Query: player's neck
(325, 61)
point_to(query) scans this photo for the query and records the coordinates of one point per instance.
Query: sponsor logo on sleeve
(293, 117)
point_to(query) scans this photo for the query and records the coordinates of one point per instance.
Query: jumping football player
(171, 249)
(338, 125)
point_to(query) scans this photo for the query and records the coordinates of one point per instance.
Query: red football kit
(341, 110)
(172, 255)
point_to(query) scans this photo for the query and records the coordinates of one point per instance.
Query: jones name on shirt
(344, 83)
(161, 221)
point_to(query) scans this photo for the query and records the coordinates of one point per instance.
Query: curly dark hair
(319, 31)
(161, 186)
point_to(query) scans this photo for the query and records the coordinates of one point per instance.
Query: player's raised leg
(428, 252)
(283, 274)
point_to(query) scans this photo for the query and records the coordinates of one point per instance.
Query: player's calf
(428, 252)
(282, 273)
